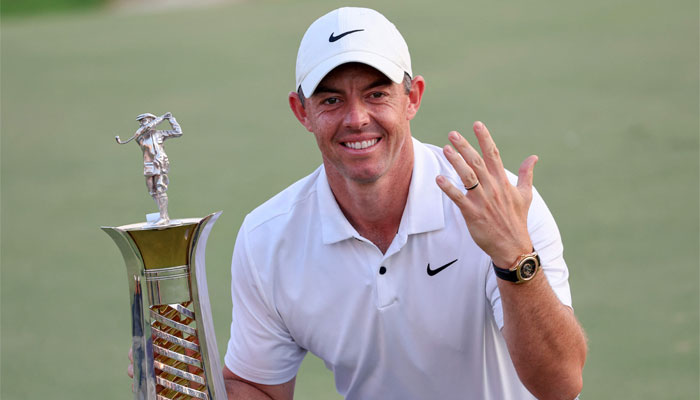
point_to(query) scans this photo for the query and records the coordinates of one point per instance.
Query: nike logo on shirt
(432, 272)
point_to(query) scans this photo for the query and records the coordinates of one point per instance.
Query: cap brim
(380, 63)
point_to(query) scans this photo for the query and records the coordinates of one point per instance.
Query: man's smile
(361, 145)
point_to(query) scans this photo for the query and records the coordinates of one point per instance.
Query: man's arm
(545, 342)
(260, 346)
(238, 388)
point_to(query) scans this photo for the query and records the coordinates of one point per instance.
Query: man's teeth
(361, 145)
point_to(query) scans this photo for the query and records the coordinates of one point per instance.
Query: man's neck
(375, 209)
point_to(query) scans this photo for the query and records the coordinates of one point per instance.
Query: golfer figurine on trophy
(175, 354)
(155, 162)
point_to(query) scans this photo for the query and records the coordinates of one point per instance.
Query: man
(155, 162)
(368, 263)
(412, 271)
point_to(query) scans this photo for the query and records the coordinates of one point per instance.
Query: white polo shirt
(304, 279)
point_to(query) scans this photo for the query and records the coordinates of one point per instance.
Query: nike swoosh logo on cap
(334, 38)
(432, 272)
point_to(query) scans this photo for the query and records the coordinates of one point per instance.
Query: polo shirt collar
(423, 212)
(335, 227)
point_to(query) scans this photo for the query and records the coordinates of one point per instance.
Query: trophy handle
(141, 344)
(205, 322)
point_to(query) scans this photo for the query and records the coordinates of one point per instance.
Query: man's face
(360, 119)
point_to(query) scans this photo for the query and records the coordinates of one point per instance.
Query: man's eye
(376, 95)
(330, 100)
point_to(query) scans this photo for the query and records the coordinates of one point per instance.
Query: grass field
(606, 93)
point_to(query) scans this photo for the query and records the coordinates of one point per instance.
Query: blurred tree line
(10, 8)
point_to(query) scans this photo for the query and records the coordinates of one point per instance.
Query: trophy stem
(173, 339)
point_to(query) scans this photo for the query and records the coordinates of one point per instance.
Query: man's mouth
(361, 144)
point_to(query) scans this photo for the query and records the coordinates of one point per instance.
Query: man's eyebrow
(383, 81)
(324, 89)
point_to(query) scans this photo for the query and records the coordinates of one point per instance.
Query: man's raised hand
(495, 211)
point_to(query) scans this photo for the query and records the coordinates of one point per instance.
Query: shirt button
(382, 270)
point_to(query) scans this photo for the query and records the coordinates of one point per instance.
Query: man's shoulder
(432, 158)
(284, 202)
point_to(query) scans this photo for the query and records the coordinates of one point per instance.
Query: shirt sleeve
(260, 348)
(546, 240)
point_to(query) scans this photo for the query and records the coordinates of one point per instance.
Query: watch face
(528, 269)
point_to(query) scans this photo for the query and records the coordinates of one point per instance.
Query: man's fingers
(489, 151)
(130, 368)
(454, 194)
(465, 172)
(470, 155)
(526, 175)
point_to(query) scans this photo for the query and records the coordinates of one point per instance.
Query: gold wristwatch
(524, 269)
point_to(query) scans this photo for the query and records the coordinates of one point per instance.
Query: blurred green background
(606, 93)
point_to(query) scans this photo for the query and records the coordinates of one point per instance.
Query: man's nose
(357, 115)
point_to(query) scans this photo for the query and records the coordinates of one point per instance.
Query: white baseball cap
(350, 34)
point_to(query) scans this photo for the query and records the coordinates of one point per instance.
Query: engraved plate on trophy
(173, 341)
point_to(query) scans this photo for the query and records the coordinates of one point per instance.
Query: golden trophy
(173, 341)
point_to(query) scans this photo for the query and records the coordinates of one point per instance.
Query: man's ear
(299, 110)
(415, 95)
